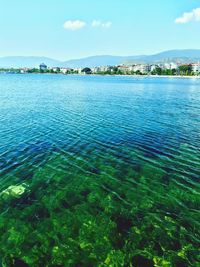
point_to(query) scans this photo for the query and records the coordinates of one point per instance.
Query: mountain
(31, 62)
(183, 56)
(94, 61)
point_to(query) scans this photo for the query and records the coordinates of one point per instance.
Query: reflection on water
(99, 171)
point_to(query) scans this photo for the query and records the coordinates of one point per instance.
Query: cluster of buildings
(194, 69)
(43, 67)
(146, 68)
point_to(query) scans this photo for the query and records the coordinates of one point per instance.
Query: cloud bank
(194, 15)
(74, 25)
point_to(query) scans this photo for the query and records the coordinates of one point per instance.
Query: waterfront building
(173, 65)
(104, 68)
(96, 70)
(196, 68)
(24, 70)
(66, 70)
(143, 68)
(43, 67)
(124, 69)
(78, 70)
(153, 67)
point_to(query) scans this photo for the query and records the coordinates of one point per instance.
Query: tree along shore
(181, 71)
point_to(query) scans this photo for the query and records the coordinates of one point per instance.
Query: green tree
(185, 69)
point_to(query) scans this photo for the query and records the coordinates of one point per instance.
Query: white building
(196, 67)
(166, 66)
(24, 70)
(96, 70)
(65, 70)
(153, 67)
(124, 69)
(173, 65)
(104, 68)
(78, 70)
(55, 69)
(143, 68)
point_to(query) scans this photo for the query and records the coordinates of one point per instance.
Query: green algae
(102, 212)
(13, 191)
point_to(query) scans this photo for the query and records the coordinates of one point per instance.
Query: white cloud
(74, 24)
(194, 15)
(98, 23)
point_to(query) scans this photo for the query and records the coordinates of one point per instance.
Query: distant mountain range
(29, 62)
(183, 56)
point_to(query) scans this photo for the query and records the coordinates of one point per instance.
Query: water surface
(99, 171)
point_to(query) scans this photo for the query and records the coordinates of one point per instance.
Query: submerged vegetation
(100, 211)
(99, 172)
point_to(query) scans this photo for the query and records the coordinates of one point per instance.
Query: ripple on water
(99, 171)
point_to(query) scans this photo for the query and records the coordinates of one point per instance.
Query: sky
(68, 29)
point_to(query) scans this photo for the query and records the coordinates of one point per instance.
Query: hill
(29, 62)
(183, 56)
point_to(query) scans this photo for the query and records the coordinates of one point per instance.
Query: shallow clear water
(99, 171)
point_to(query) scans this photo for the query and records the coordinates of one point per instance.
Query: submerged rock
(141, 261)
(94, 170)
(13, 191)
(123, 224)
(179, 262)
(19, 263)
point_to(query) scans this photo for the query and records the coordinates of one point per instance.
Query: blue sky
(66, 29)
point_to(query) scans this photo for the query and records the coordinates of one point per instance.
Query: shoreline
(113, 75)
(147, 76)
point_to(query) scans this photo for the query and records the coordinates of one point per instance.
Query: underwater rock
(26, 199)
(157, 247)
(94, 170)
(123, 224)
(141, 261)
(85, 192)
(137, 167)
(179, 262)
(19, 263)
(166, 179)
(13, 191)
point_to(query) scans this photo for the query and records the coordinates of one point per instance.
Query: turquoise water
(99, 171)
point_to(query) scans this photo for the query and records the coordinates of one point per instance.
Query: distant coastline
(173, 69)
(113, 75)
(164, 76)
